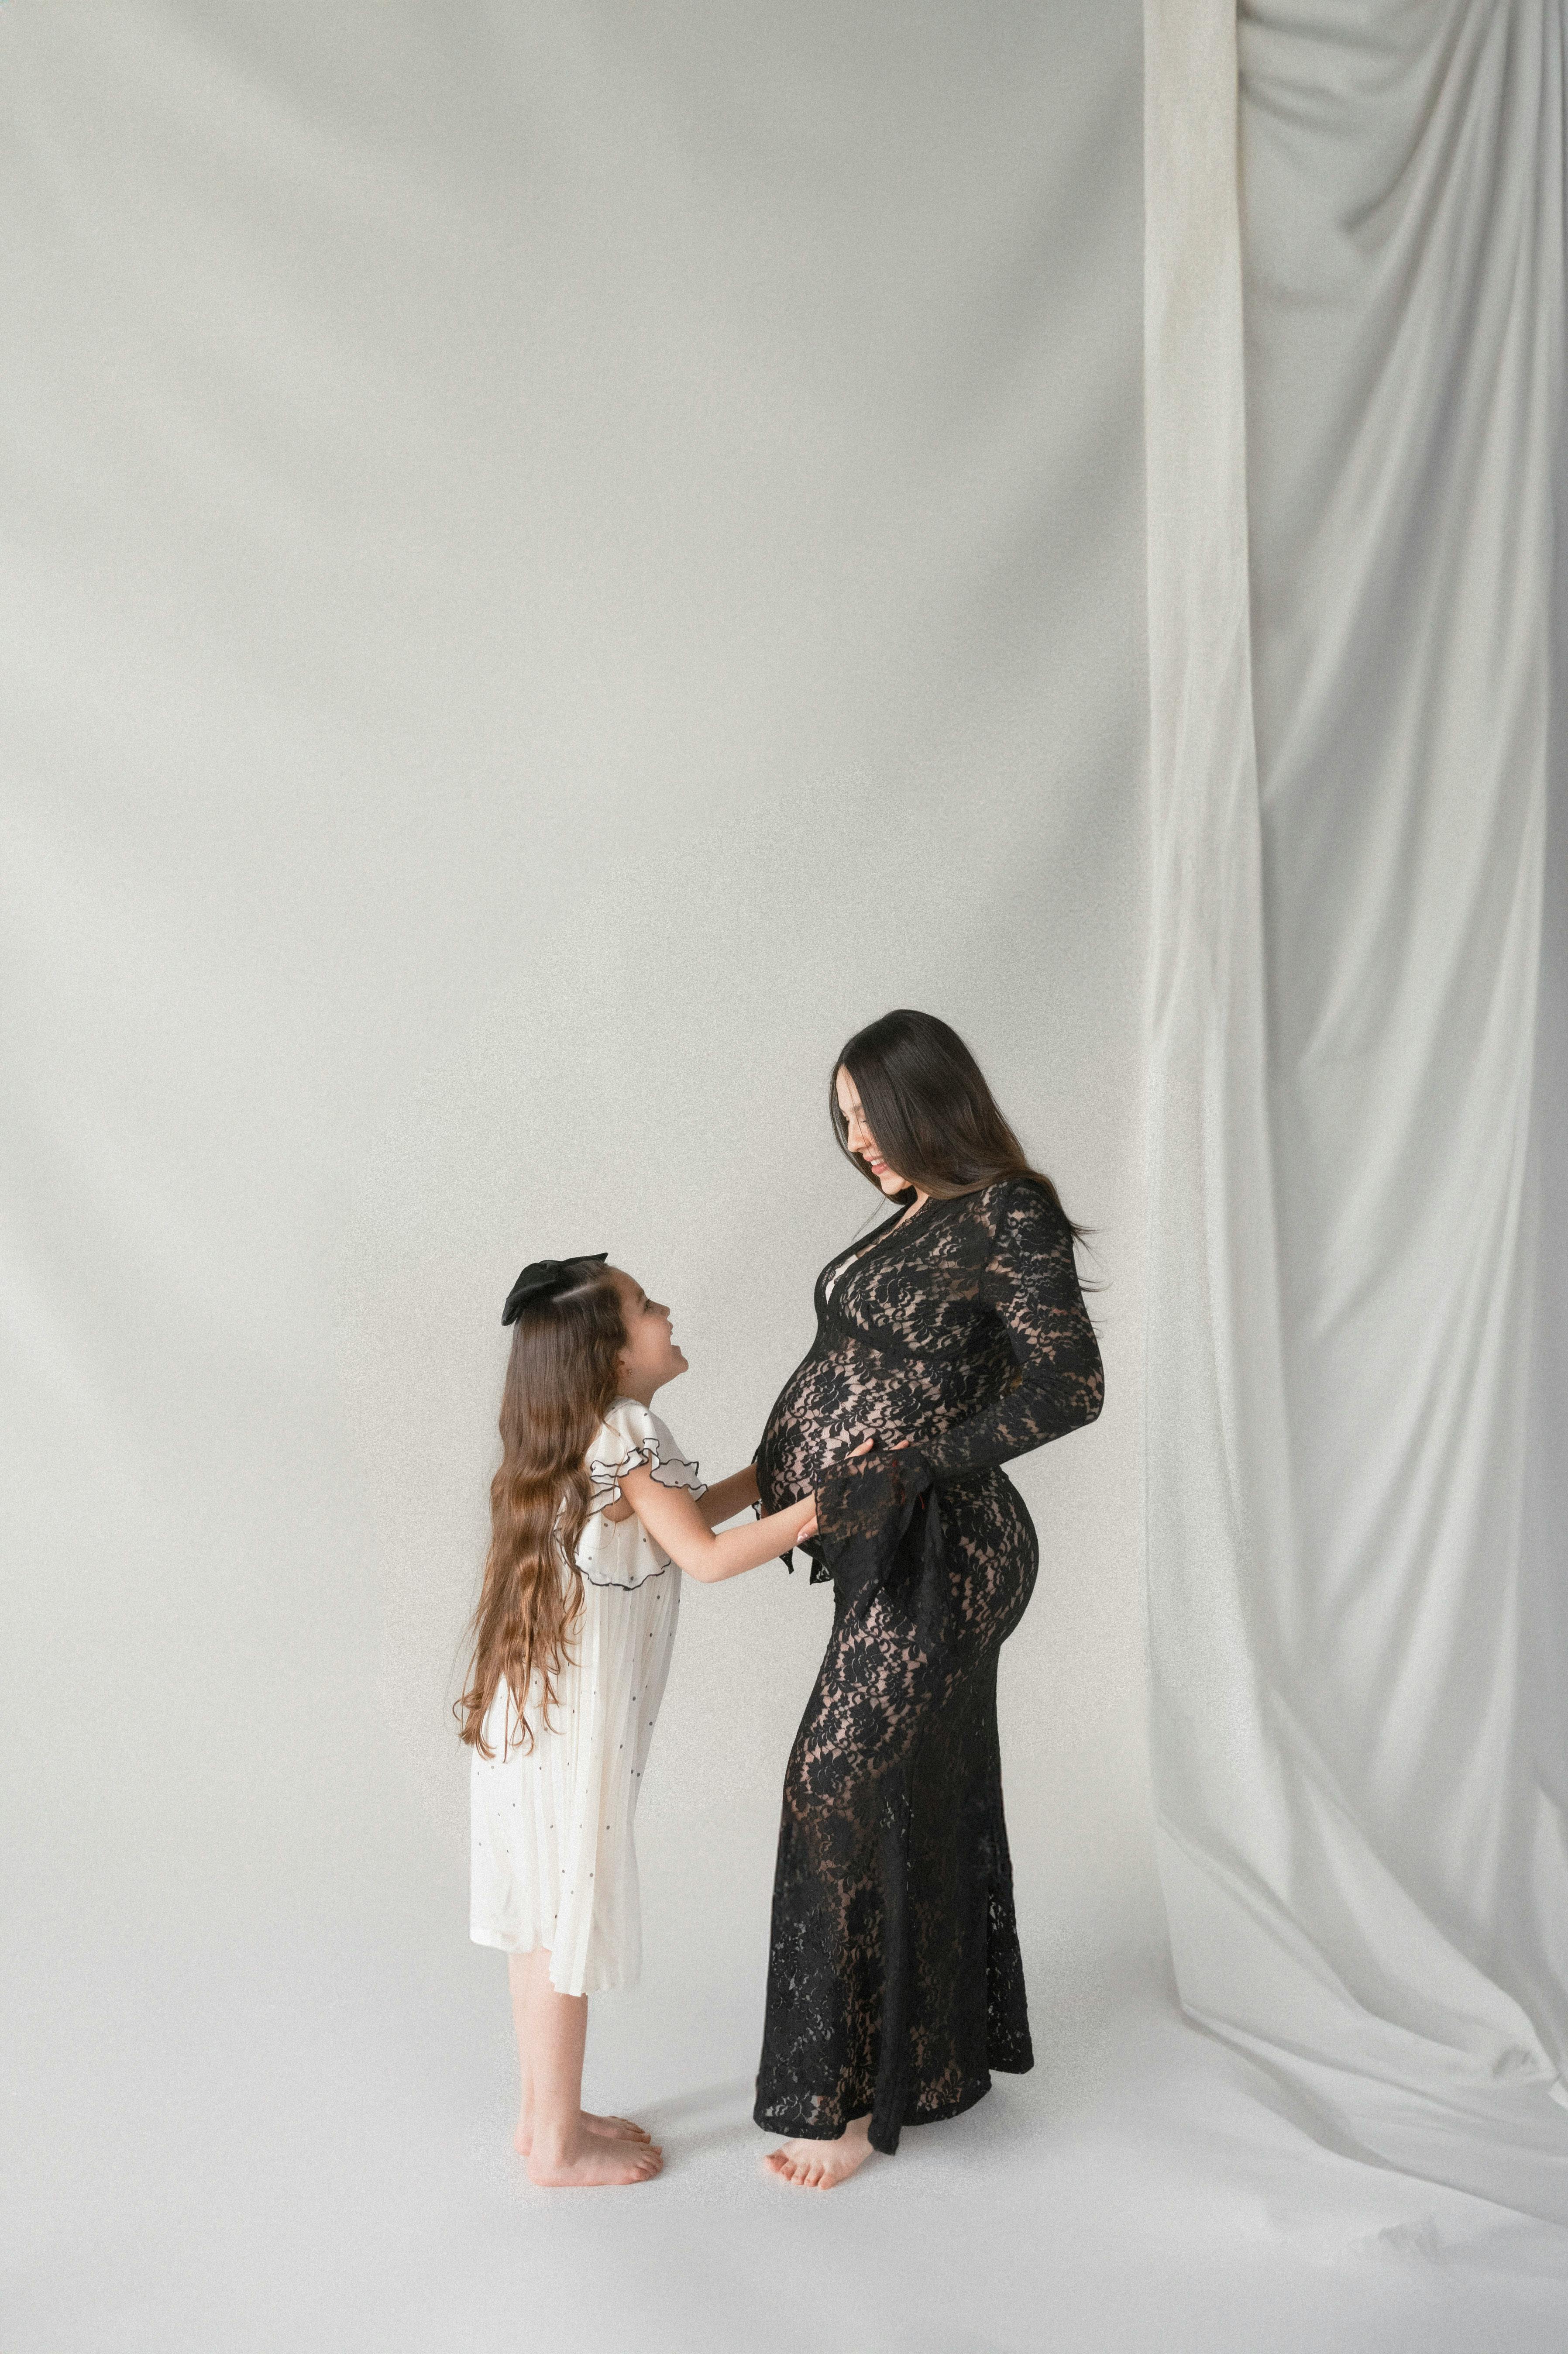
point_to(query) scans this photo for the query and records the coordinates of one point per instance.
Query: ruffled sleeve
(629, 1434)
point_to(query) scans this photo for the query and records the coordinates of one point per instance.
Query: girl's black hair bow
(544, 1276)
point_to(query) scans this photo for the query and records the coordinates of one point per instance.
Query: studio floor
(308, 2149)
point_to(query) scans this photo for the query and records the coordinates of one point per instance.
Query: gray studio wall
(561, 561)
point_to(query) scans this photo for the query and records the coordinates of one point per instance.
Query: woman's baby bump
(831, 1404)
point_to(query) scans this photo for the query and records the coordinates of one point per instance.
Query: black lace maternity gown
(895, 1981)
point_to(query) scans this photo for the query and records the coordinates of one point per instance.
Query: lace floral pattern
(958, 1339)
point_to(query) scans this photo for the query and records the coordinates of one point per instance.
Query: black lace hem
(774, 2118)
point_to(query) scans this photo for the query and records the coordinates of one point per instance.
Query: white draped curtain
(557, 560)
(1355, 1419)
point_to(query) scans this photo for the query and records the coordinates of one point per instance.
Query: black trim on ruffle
(640, 1451)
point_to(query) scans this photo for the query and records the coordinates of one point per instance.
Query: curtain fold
(1354, 315)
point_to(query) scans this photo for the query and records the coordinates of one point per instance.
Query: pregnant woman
(950, 1340)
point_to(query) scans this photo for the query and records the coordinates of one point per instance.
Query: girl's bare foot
(615, 2128)
(607, 2128)
(822, 2165)
(593, 2159)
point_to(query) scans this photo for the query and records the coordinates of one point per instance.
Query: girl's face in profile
(650, 1357)
(860, 1138)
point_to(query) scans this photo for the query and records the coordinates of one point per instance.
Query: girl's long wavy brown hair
(560, 1384)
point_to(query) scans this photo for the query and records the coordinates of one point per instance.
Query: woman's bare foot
(822, 2165)
(607, 2128)
(593, 2159)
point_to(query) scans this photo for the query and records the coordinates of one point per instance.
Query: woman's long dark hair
(927, 1102)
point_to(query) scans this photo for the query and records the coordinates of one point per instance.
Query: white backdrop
(529, 632)
(557, 562)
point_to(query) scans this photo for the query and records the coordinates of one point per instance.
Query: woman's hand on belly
(893, 1446)
(834, 1455)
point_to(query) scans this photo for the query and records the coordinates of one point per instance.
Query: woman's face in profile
(860, 1139)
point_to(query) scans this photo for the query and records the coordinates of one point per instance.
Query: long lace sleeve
(1032, 1282)
(875, 1526)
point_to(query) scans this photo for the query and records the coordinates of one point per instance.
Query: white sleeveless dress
(553, 1858)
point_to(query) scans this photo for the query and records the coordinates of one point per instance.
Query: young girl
(593, 1509)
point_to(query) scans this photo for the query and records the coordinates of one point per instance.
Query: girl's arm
(727, 1497)
(673, 1519)
(721, 1501)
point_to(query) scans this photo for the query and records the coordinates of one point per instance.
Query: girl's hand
(808, 1527)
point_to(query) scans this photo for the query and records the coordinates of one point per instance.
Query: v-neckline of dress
(885, 1233)
(838, 1272)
